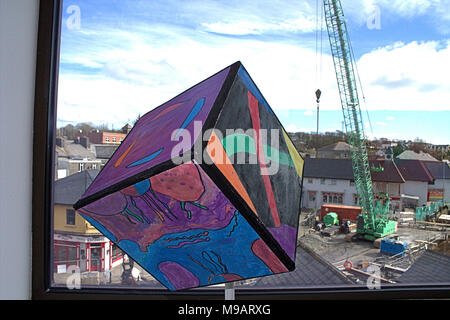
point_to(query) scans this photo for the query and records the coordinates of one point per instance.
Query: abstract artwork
(205, 189)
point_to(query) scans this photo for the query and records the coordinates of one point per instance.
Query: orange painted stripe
(119, 161)
(254, 113)
(219, 157)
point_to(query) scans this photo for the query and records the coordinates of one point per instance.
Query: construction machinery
(373, 222)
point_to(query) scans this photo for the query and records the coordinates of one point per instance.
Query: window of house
(81, 167)
(332, 181)
(70, 217)
(75, 47)
(312, 196)
(114, 139)
(310, 180)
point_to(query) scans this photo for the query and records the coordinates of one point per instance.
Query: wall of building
(60, 222)
(416, 188)
(18, 40)
(340, 186)
(442, 184)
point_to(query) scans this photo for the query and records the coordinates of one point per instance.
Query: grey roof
(342, 169)
(104, 151)
(411, 155)
(311, 270)
(77, 151)
(338, 146)
(328, 168)
(430, 267)
(439, 170)
(69, 190)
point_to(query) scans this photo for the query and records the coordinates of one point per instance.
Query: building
(97, 136)
(76, 241)
(331, 181)
(439, 188)
(103, 152)
(338, 150)
(73, 157)
(412, 155)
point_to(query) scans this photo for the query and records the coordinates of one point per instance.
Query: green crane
(373, 222)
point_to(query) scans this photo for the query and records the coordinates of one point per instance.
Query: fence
(423, 212)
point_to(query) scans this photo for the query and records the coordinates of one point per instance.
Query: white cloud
(390, 118)
(381, 123)
(302, 23)
(412, 76)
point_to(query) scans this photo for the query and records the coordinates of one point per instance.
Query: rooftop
(69, 190)
(338, 146)
(430, 267)
(412, 155)
(342, 169)
(310, 270)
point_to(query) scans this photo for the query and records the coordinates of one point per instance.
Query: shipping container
(344, 212)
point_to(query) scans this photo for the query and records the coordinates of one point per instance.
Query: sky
(122, 58)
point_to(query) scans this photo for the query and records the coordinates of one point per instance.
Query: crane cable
(359, 81)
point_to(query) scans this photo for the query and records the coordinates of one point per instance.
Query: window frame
(44, 125)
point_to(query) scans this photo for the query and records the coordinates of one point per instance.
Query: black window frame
(46, 85)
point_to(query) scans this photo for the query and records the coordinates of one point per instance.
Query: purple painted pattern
(149, 143)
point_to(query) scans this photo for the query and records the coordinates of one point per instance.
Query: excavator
(373, 222)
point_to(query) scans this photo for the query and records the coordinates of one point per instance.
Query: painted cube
(205, 189)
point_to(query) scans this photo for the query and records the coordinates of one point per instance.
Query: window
(107, 139)
(322, 181)
(333, 182)
(81, 166)
(114, 139)
(311, 195)
(70, 217)
(63, 254)
(310, 180)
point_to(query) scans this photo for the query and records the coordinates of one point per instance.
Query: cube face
(229, 212)
(183, 230)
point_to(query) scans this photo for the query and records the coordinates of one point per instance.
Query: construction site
(417, 232)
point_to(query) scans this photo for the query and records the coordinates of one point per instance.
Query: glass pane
(121, 59)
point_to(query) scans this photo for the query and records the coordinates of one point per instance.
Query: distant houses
(328, 179)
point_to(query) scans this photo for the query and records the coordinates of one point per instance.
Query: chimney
(60, 142)
(84, 141)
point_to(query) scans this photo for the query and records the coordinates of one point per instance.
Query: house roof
(439, 170)
(104, 151)
(430, 267)
(390, 171)
(413, 170)
(311, 270)
(74, 151)
(338, 146)
(412, 155)
(342, 169)
(69, 190)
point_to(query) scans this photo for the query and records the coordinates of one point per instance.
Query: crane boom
(374, 221)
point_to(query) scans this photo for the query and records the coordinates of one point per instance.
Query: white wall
(18, 36)
(341, 186)
(416, 188)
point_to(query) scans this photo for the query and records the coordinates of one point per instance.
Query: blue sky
(121, 58)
